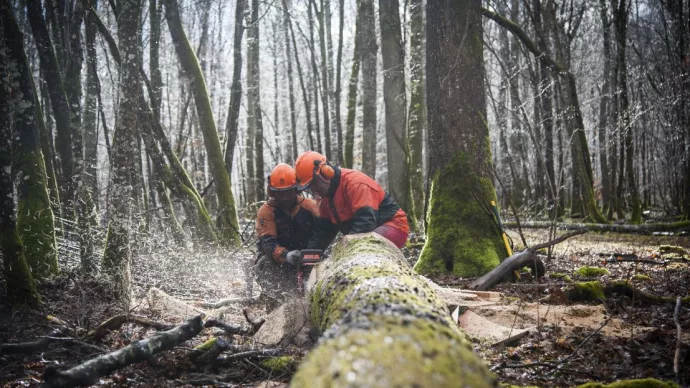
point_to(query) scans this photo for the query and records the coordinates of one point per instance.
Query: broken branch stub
(383, 325)
(89, 372)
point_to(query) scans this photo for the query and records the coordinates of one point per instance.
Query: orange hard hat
(282, 178)
(306, 166)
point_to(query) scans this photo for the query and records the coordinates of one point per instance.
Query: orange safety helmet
(310, 163)
(282, 178)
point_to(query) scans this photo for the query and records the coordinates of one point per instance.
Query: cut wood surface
(383, 325)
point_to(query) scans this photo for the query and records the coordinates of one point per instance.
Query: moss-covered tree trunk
(417, 122)
(117, 255)
(20, 286)
(383, 325)
(35, 223)
(226, 222)
(58, 99)
(462, 236)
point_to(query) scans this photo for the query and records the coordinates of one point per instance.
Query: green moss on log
(639, 383)
(207, 345)
(591, 272)
(278, 364)
(585, 292)
(641, 278)
(383, 325)
(462, 238)
(35, 221)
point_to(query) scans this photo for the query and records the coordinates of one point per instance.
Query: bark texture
(348, 153)
(417, 122)
(462, 235)
(226, 222)
(369, 76)
(383, 325)
(235, 89)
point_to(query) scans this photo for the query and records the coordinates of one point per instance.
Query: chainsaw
(308, 259)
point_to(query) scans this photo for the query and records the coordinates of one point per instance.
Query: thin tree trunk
(352, 92)
(395, 100)
(231, 126)
(91, 107)
(227, 218)
(291, 88)
(315, 76)
(417, 123)
(251, 111)
(369, 89)
(305, 95)
(337, 92)
(155, 11)
(255, 92)
(325, 85)
(59, 102)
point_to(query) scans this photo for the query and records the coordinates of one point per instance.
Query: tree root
(89, 372)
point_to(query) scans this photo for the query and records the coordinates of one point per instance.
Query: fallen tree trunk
(383, 325)
(89, 372)
(644, 228)
(528, 257)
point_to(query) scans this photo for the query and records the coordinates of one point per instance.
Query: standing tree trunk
(315, 76)
(352, 93)
(226, 222)
(462, 236)
(604, 110)
(117, 256)
(19, 285)
(325, 79)
(35, 224)
(337, 92)
(620, 19)
(291, 93)
(155, 11)
(250, 145)
(90, 127)
(417, 122)
(58, 99)
(369, 75)
(395, 100)
(255, 95)
(305, 95)
(235, 89)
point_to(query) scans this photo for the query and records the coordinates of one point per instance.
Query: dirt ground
(567, 345)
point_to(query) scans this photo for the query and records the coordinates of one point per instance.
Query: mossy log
(89, 372)
(383, 325)
(596, 291)
(618, 228)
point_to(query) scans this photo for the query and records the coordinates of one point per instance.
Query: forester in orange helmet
(284, 226)
(351, 202)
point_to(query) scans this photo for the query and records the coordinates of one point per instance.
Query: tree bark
(117, 256)
(226, 221)
(395, 100)
(35, 222)
(348, 157)
(604, 109)
(58, 99)
(338, 81)
(369, 306)
(369, 89)
(291, 89)
(462, 235)
(231, 126)
(20, 286)
(325, 79)
(417, 123)
(155, 11)
(250, 140)
(305, 95)
(90, 127)
(255, 92)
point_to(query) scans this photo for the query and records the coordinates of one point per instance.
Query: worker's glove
(293, 257)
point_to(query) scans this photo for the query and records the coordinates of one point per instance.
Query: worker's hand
(292, 257)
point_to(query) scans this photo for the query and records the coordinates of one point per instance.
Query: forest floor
(567, 344)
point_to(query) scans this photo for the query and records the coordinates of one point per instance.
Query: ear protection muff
(325, 169)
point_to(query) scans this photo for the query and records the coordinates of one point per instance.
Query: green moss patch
(591, 272)
(585, 292)
(279, 364)
(560, 275)
(641, 278)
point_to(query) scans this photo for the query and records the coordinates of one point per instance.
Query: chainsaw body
(308, 259)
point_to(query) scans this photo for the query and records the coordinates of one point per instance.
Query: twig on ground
(251, 353)
(679, 341)
(229, 328)
(117, 321)
(558, 239)
(31, 346)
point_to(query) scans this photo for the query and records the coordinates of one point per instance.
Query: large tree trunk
(20, 286)
(348, 157)
(369, 75)
(395, 100)
(231, 126)
(58, 99)
(117, 256)
(462, 236)
(226, 222)
(621, 26)
(35, 222)
(383, 325)
(417, 122)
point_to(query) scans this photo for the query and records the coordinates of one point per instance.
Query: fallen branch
(89, 372)
(224, 302)
(230, 329)
(30, 347)
(528, 257)
(211, 350)
(679, 342)
(251, 353)
(644, 228)
(117, 321)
